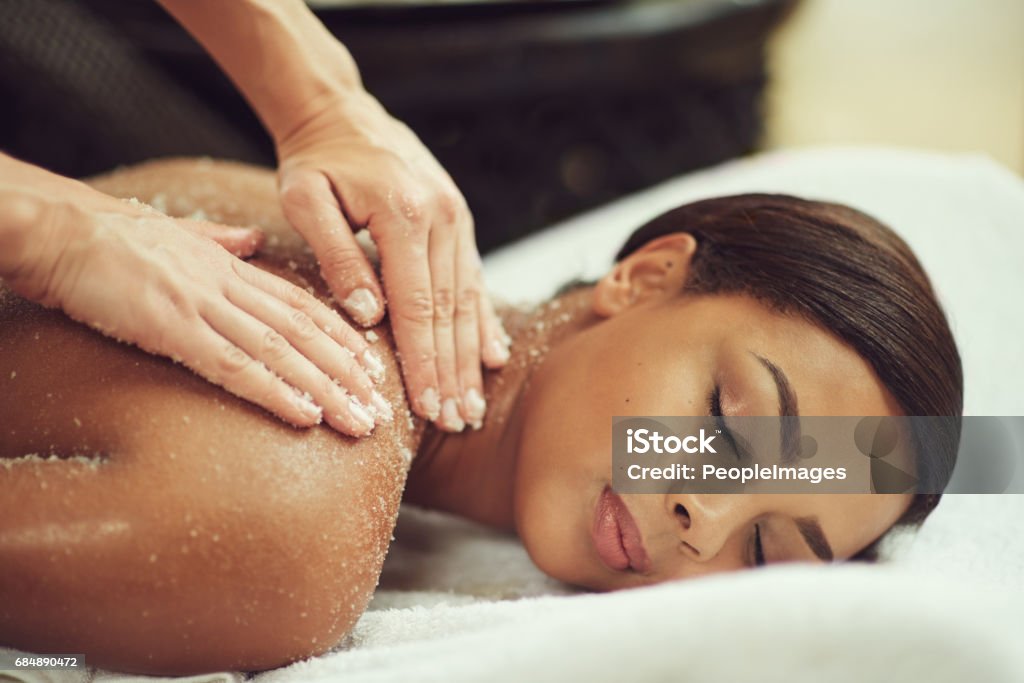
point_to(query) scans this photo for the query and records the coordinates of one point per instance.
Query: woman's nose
(702, 523)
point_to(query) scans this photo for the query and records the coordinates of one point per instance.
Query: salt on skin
(431, 403)
(374, 366)
(354, 483)
(361, 305)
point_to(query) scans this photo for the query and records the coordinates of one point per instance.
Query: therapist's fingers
(469, 293)
(310, 205)
(243, 242)
(494, 340)
(270, 348)
(405, 267)
(221, 361)
(312, 342)
(332, 324)
(443, 242)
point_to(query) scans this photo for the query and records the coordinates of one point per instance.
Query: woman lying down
(164, 526)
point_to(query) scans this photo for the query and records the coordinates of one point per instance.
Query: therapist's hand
(161, 283)
(349, 165)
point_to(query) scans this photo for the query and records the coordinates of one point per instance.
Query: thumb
(242, 242)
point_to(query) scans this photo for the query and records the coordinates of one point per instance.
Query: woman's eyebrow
(790, 436)
(810, 529)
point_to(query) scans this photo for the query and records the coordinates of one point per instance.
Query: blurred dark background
(538, 109)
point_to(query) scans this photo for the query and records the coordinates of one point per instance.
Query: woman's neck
(472, 473)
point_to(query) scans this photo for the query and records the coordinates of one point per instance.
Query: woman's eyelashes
(758, 547)
(715, 410)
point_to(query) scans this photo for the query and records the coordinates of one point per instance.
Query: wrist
(337, 112)
(31, 242)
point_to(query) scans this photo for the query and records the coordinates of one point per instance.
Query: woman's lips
(616, 536)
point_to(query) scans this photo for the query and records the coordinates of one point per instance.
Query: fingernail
(243, 233)
(476, 406)
(430, 404)
(450, 415)
(309, 410)
(373, 364)
(499, 351)
(362, 305)
(382, 406)
(360, 413)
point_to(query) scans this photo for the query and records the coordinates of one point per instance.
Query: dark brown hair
(850, 274)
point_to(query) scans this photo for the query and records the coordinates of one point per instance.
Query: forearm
(275, 51)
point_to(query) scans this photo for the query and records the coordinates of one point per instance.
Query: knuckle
(341, 260)
(26, 212)
(274, 346)
(418, 308)
(295, 297)
(298, 192)
(350, 339)
(450, 206)
(414, 210)
(332, 387)
(232, 360)
(467, 301)
(302, 325)
(444, 305)
(352, 377)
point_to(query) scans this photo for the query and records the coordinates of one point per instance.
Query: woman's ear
(658, 269)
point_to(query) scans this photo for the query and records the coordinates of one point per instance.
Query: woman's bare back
(167, 526)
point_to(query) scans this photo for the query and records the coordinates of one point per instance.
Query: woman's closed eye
(758, 547)
(715, 410)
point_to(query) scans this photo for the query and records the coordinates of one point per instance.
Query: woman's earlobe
(657, 269)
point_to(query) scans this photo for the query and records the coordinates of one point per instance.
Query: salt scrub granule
(371, 336)
(373, 364)
(159, 202)
(450, 415)
(380, 408)
(406, 454)
(431, 403)
(361, 305)
(91, 462)
(292, 264)
(304, 402)
(134, 201)
(198, 215)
